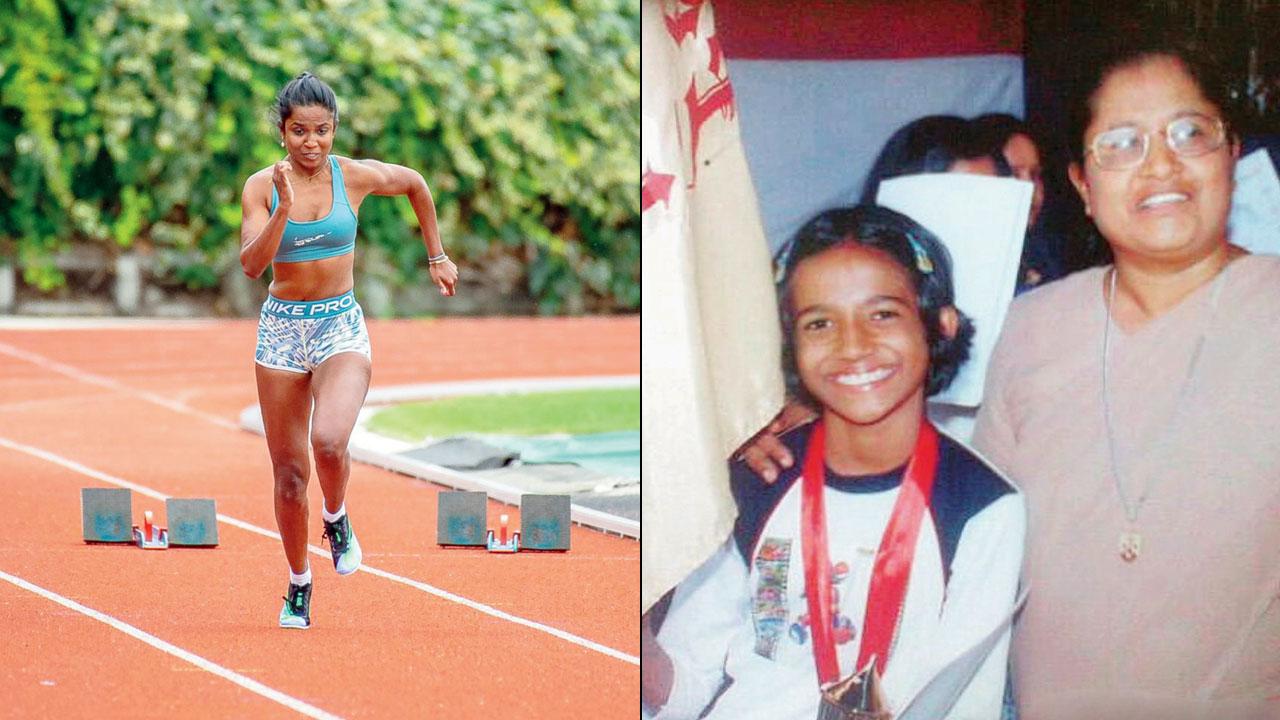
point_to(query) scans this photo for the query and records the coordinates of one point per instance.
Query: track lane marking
(257, 530)
(48, 363)
(248, 683)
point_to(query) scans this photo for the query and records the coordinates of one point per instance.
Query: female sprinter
(312, 358)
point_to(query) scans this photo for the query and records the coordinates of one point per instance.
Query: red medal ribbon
(893, 559)
(817, 562)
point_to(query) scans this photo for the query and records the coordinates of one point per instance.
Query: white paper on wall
(1254, 223)
(982, 221)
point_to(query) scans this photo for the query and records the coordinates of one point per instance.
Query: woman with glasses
(1138, 404)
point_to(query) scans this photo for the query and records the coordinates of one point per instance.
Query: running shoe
(343, 545)
(296, 612)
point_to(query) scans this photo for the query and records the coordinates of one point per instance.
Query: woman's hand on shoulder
(765, 453)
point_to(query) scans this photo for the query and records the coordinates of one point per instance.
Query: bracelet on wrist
(442, 257)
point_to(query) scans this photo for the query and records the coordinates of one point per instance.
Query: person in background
(1042, 259)
(932, 144)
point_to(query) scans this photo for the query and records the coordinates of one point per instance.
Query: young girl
(887, 540)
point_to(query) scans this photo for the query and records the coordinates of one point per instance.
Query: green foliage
(134, 123)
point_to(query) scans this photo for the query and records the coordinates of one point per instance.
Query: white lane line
(209, 666)
(444, 594)
(113, 385)
(47, 363)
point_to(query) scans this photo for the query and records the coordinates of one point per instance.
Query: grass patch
(570, 411)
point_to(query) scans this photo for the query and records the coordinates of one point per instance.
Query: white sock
(303, 579)
(333, 517)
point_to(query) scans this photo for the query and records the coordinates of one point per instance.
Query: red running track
(114, 631)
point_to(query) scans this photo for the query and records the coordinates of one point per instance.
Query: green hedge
(135, 123)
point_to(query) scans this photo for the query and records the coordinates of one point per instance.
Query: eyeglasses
(1187, 136)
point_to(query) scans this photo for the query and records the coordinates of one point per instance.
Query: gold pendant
(1130, 546)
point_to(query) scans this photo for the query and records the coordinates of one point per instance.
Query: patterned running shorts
(298, 336)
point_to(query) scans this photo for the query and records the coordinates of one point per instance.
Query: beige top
(1194, 622)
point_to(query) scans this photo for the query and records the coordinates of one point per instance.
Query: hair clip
(923, 263)
(780, 262)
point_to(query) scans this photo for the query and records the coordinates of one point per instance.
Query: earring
(281, 143)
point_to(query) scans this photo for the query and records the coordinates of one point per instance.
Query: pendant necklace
(323, 166)
(1130, 539)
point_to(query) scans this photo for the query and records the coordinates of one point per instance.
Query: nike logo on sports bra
(305, 241)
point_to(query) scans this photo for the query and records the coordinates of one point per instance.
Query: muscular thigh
(339, 385)
(285, 400)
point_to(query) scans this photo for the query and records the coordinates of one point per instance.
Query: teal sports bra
(330, 236)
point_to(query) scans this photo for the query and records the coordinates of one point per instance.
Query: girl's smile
(859, 340)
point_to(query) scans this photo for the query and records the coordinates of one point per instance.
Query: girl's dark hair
(931, 144)
(900, 237)
(995, 129)
(303, 91)
(1107, 54)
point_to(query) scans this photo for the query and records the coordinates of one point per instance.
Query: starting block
(107, 517)
(106, 514)
(544, 522)
(193, 522)
(460, 518)
(503, 543)
(150, 536)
